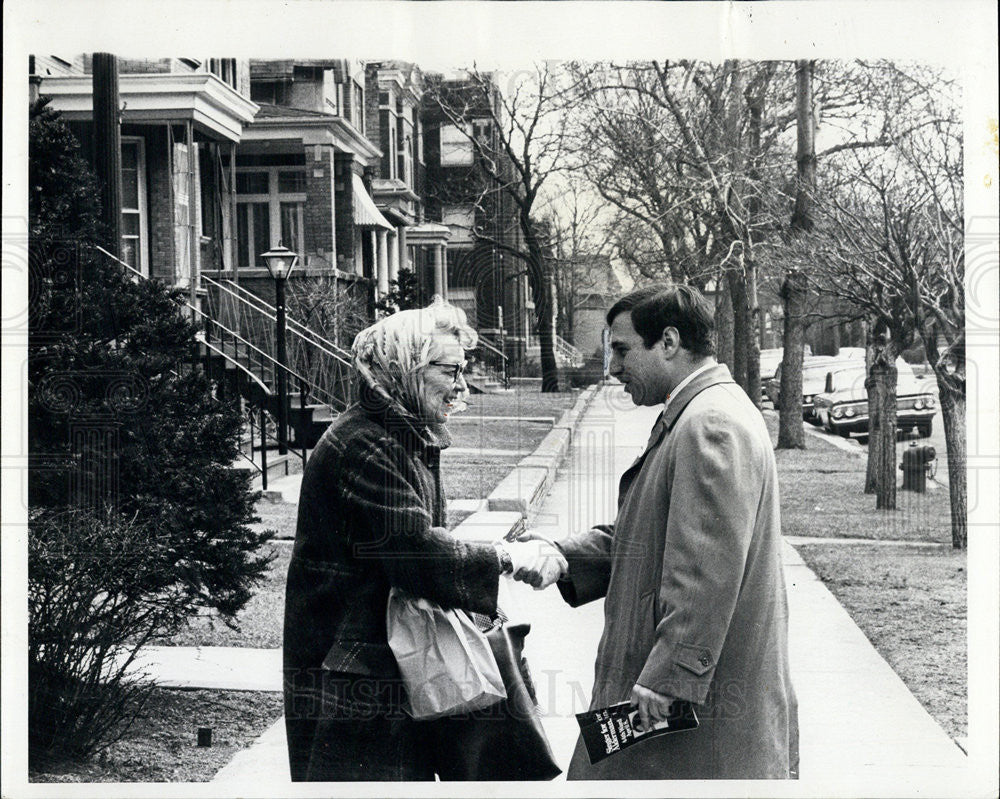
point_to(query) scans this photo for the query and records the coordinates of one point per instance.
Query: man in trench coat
(695, 604)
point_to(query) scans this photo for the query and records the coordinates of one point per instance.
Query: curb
(527, 484)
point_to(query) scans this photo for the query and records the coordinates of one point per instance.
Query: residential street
(861, 728)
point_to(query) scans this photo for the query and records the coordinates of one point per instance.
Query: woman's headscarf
(389, 356)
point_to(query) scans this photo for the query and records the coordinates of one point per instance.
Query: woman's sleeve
(396, 528)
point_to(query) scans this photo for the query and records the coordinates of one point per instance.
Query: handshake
(534, 559)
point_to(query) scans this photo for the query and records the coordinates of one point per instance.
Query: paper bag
(445, 661)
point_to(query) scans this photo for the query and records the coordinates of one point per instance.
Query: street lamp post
(280, 261)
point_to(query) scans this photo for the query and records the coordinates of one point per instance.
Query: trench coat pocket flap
(696, 659)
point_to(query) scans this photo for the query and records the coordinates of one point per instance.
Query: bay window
(270, 204)
(134, 216)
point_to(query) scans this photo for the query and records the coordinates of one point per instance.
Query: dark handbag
(505, 741)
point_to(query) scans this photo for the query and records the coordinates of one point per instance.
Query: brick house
(343, 162)
(181, 121)
(490, 285)
(398, 179)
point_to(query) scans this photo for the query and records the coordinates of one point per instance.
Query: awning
(366, 215)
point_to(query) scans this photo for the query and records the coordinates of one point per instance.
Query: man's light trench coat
(695, 603)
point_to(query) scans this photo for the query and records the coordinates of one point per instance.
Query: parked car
(814, 371)
(770, 360)
(843, 406)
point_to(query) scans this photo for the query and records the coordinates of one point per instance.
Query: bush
(404, 294)
(92, 601)
(137, 518)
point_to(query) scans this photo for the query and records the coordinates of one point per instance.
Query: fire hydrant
(918, 464)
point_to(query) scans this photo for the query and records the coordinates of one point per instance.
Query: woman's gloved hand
(537, 562)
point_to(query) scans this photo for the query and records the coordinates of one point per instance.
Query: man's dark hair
(654, 308)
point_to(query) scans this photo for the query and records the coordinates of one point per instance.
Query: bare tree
(889, 241)
(575, 225)
(794, 288)
(523, 148)
(686, 150)
(625, 143)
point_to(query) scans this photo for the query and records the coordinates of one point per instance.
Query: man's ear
(671, 340)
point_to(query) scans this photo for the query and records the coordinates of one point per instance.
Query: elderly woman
(371, 517)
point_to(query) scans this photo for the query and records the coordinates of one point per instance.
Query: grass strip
(162, 744)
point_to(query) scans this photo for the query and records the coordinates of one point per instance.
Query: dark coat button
(704, 660)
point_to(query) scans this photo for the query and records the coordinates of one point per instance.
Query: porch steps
(278, 466)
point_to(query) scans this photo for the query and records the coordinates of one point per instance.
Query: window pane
(253, 234)
(130, 252)
(130, 155)
(242, 235)
(291, 235)
(130, 174)
(251, 183)
(456, 149)
(130, 224)
(289, 182)
(130, 188)
(261, 232)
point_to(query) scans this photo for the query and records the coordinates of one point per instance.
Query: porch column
(444, 270)
(394, 254)
(404, 261)
(439, 270)
(383, 262)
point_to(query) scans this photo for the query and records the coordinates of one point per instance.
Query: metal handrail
(264, 359)
(294, 325)
(483, 342)
(251, 302)
(263, 386)
(568, 351)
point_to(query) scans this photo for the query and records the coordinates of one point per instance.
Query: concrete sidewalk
(223, 668)
(862, 731)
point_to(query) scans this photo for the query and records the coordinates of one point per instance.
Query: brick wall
(161, 222)
(372, 128)
(320, 234)
(344, 210)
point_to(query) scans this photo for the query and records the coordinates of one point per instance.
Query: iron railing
(225, 350)
(569, 354)
(493, 361)
(325, 366)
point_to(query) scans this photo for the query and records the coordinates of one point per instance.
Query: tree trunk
(881, 385)
(953, 414)
(724, 325)
(791, 434)
(870, 474)
(544, 308)
(542, 285)
(805, 158)
(752, 384)
(737, 296)
(755, 106)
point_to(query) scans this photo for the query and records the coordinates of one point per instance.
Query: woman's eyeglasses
(456, 370)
